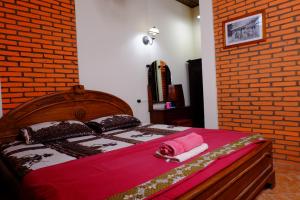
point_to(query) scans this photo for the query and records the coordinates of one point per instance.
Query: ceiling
(189, 3)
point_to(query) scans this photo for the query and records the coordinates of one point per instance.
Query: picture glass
(243, 30)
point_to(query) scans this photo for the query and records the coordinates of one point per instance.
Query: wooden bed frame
(242, 180)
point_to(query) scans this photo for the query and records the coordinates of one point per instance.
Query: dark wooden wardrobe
(196, 92)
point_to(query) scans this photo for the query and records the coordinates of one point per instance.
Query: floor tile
(287, 183)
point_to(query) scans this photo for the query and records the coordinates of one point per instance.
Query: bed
(242, 179)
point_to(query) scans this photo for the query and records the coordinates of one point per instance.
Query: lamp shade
(153, 31)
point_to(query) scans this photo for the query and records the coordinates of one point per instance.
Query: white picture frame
(244, 30)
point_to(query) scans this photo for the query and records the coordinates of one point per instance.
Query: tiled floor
(287, 183)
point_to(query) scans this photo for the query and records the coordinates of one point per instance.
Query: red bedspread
(101, 176)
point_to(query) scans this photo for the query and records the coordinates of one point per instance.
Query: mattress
(23, 158)
(134, 172)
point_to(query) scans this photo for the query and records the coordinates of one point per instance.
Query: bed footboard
(243, 180)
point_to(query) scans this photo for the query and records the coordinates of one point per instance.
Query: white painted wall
(112, 57)
(208, 64)
(197, 33)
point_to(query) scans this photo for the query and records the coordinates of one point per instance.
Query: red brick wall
(38, 52)
(259, 84)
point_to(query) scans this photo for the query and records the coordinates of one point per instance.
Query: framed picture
(247, 29)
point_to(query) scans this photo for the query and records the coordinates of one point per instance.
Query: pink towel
(181, 144)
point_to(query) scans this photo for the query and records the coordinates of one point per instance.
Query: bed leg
(271, 182)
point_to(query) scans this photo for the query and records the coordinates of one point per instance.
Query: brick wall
(38, 52)
(259, 84)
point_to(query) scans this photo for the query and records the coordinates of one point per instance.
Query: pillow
(55, 130)
(113, 122)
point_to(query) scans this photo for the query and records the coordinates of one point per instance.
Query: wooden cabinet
(181, 116)
(196, 91)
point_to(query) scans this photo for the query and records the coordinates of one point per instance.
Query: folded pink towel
(181, 144)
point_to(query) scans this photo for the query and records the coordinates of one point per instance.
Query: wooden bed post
(78, 89)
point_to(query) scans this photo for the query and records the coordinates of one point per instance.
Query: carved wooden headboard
(77, 103)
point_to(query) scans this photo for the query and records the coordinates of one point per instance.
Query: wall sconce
(152, 33)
